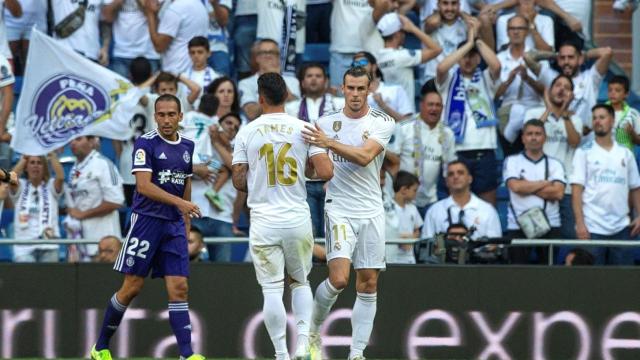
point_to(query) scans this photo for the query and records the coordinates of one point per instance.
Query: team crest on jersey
(186, 157)
(365, 135)
(337, 125)
(130, 261)
(337, 247)
(140, 157)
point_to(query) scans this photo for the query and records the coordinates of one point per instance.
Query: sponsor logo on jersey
(168, 176)
(140, 157)
(186, 157)
(337, 125)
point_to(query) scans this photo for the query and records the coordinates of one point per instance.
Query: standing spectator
(35, 200)
(579, 12)
(346, 19)
(392, 99)
(94, 193)
(370, 36)
(244, 35)
(90, 39)
(180, 22)
(6, 106)
(318, 26)
(569, 59)
(396, 63)
(563, 136)
(315, 103)
(627, 125)
(267, 55)
(518, 89)
(272, 17)
(130, 36)
(225, 90)
(468, 93)
(535, 180)
(108, 250)
(19, 28)
(423, 146)
(15, 9)
(540, 36)
(605, 177)
(218, 35)
(403, 218)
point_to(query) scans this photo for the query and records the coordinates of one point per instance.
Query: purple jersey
(170, 165)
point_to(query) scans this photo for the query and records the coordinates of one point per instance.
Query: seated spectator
(218, 35)
(179, 22)
(199, 72)
(579, 257)
(316, 101)
(94, 194)
(130, 36)
(196, 245)
(20, 17)
(604, 180)
(423, 146)
(463, 211)
(563, 137)
(518, 89)
(227, 93)
(267, 55)
(569, 59)
(627, 125)
(89, 39)
(403, 219)
(397, 64)
(540, 35)
(6, 106)
(535, 181)
(318, 25)
(244, 35)
(36, 199)
(468, 93)
(108, 250)
(392, 99)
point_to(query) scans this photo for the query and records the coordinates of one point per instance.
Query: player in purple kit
(157, 238)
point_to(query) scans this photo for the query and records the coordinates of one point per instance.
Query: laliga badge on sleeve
(140, 158)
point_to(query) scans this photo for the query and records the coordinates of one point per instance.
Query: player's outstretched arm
(323, 166)
(361, 155)
(146, 188)
(239, 176)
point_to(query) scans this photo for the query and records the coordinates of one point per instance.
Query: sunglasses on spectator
(360, 62)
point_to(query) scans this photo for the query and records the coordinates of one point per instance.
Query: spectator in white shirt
(130, 36)
(604, 180)
(272, 15)
(423, 146)
(199, 72)
(89, 39)
(540, 36)
(94, 194)
(403, 219)
(267, 56)
(6, 106)
(569, 59)
(218, 35)
(627, 125)
(392, 99)
(534, 180)
(35, 201)
(19, 25)
(468, 94)
(396, 63)
(180, 22)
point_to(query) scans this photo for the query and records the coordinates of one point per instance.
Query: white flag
(65, 95)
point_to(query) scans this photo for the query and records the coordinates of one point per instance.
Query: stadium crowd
(472, 85)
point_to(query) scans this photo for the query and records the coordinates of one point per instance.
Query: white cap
(389, 24)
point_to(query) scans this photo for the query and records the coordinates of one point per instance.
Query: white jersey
(92, 181)
(273, 147)
(394, 96)
(521, 167)
(86, 39)
(182, 20)
(607, 178)
(346, 18)
(131, 33)
(4, 44)
(271, 18)
(354, 191)
(397, 67)
(448, 36)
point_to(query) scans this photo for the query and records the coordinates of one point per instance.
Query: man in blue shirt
(157, 239)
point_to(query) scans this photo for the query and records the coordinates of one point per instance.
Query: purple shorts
(154, 244)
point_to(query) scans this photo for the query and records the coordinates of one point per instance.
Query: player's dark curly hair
(272, 88)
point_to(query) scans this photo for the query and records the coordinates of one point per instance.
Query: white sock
(275, 317)
(326, 296)
(364, 311)
(302, 305)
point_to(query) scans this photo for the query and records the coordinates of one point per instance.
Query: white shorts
(359, 240)
(273, 250)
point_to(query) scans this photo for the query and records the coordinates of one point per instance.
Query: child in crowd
(167, 83)
(195, 125)
(200, 72)
(627, 126)
(403, 218)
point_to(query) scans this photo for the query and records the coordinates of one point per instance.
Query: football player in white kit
(356, 139)
(270, 160)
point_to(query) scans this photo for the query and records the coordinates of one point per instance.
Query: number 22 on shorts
(142, 248)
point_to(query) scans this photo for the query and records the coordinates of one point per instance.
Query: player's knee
(294, 284)
(273, 287)
(368, 285)
(130, 289)
(179, 291)
(339, 282)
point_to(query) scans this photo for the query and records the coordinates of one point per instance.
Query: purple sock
(112, 317)
(181, 325)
